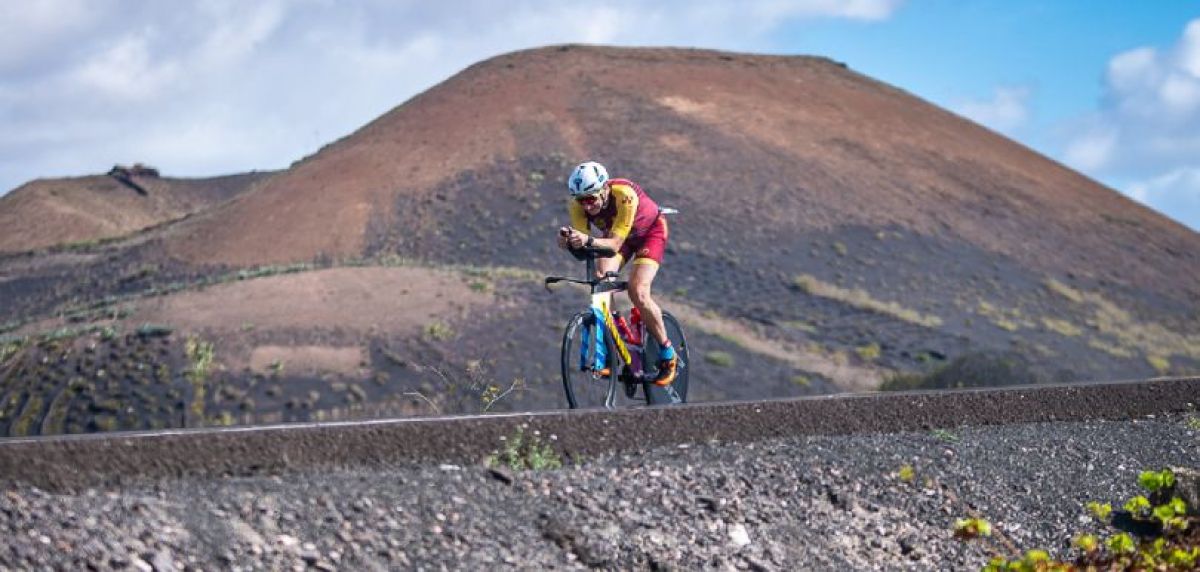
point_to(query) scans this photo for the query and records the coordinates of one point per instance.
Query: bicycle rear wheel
(583, 387)
(658, 395)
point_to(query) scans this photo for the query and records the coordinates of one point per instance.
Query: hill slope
(49, 212)
(754, 144)
(836, 233)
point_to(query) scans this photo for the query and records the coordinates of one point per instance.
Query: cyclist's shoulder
(625, 188)
(623, 183)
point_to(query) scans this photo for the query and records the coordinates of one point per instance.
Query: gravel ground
(825, 503)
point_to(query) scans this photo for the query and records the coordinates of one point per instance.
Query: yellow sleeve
(627, 204)
(578, 217)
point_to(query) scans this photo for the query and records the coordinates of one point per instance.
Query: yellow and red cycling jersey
(631, 215)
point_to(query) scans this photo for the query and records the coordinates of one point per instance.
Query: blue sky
(206, 87)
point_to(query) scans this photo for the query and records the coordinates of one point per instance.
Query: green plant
(154, 330)
(438, 331)
(480, 285)
(869, 352)
(1154, 481)
(1099, 511)
(1137, 506)
(719, 358)
(200, 357)
(1160, 364)
(945, 435)
(521, 453)
(1174, 547)
(1120, 543)
(906, 473)
(967, 528)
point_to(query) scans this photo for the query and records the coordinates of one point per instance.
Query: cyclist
(630, 223)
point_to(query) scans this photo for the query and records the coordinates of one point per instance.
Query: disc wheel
(677, 392)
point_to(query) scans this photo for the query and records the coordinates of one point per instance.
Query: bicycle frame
(601, 298)
(631, 371)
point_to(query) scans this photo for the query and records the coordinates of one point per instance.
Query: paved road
(745, 487)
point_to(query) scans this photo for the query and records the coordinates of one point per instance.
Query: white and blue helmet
(588, 178)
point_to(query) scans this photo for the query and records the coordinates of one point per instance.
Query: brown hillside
(835, 234)
(47, 212)
(805, 144)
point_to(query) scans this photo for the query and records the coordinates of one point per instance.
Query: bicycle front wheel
(583, 386)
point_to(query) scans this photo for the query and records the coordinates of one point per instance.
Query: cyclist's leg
(641, 278)
(645, 268)
(647, 254)
(612, 264)
(605, 265)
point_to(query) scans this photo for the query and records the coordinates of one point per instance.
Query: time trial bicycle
(602, 348)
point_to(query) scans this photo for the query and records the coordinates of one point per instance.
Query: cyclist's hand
(577, 239)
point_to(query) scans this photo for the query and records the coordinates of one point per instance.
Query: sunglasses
(588, 200)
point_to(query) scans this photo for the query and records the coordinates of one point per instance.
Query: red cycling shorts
(648, 248)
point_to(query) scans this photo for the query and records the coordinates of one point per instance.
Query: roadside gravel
(825, 503)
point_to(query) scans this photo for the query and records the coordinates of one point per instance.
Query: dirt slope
(48, 212)
(755, 144)
(836, 234)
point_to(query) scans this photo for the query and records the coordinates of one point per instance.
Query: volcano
(835, 233)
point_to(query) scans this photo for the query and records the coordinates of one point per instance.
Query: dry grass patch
(1132, 336)
(862, 299)
(307, 359)
(1061, 327)
(1008, 319)
(812, 357)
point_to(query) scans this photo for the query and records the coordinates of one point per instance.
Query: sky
(207, 87)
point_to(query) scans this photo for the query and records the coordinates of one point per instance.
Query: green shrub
(972, 370)
(154, 330)
(1173, 547)
(439, 331)
(521, 453)
(869, 352)
(719, 358)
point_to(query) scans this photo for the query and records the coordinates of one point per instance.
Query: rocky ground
(812, 503)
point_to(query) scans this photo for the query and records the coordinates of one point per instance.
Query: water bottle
(623, 327)
(635, 327)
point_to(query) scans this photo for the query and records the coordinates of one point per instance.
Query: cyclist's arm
(578, 218)
(627, 203)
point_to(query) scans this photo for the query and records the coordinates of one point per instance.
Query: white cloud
(852, 9)
(1133, 70)
(1149, 120)
(1006, 112)
(1091, 151)
(125, 71)
(1189, 49)
(34, 30)
(216, 86)
(1176, 192)
(1147, 128)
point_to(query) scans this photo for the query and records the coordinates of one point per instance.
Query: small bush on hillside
(439, 331)
(720, 359)
(869, 352)
(971, 370)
